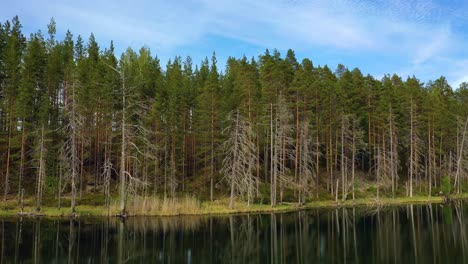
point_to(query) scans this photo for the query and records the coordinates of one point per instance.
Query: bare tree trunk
(353, 156)
(123, 189)
(156, 164)
(336, 190)
(378, 172)
(343, 187)
(258, 165)
(275, 163)
(59, 189)
(21, 172)
(297, 141)
(317, 157)
(234, 166)
(283, 166)
(165, 168)
(301, 165)
(173, 167)
(240, 160)
(81, 167)
(332, 177)
(327, 161)
(392, 165)
(212, 149)
(428, 158)
(7, 173)
(107, 174)
(184, 146)
(73, 151)
(433, 157)
(272, 164)
(41, 172)
(460, 157)
(411, 150)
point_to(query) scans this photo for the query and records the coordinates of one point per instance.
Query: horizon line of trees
(74, 118)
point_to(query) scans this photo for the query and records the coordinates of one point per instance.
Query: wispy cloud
(420, 36)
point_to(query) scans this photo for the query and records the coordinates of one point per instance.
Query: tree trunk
(7, 173)
(212, 149)
(297, 140)
(392, 169)
(460, 157)
(123, 189)
(73, 150)
(272, 163)
(353, 156)
(428, 158)
(411, 151)
(343, 187)
(317, 161)
(23, 150)
(41, 172)
(235, 163)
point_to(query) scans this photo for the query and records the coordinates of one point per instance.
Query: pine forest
(80, 124)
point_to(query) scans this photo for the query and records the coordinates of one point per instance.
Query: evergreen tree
(15, 44)
(33, 85)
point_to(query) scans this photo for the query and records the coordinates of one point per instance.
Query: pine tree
(14, 48)
(32, 85)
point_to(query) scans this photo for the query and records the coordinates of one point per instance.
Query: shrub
(446, 186)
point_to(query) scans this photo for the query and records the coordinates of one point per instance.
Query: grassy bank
(191, 206)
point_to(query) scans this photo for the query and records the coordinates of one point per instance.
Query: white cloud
(419, 34)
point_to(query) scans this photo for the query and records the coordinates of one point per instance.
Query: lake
(404, 234)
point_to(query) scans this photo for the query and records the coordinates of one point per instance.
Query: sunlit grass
(189, 205)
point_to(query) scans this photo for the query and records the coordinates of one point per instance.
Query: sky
(427, 39)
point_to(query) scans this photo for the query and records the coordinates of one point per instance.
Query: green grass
(155, 206)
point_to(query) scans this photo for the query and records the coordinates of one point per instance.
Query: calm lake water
(406, 234)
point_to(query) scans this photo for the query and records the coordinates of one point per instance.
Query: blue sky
(424, 38)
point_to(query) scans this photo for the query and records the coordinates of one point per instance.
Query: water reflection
(415, 234)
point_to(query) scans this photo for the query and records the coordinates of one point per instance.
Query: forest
(77, 119)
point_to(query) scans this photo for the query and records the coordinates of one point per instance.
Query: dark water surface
(407, 234)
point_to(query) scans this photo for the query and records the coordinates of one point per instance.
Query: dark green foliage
(446, 185)
(176, 116)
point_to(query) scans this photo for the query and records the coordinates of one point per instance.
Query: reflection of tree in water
(37, 240)
(414, 234)
(160, 239)
(460, 227)
(244, 246)
(162, 224)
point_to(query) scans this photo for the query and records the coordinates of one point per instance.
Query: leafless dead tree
(462, 160)
(241, 159)
(306, 164)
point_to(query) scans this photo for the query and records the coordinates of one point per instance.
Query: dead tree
(346, 146)
(241, 159)
(72, 128)
(281, 148)
(387, 162)
(357, 144)
(351, 141)
(106, 175)
(415, 148)
(131, 133)
(306, 164)
(393, 151)
(41, 170)
(461, 159)
(383, 163)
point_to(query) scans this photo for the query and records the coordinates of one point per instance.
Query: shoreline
(221, 207)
